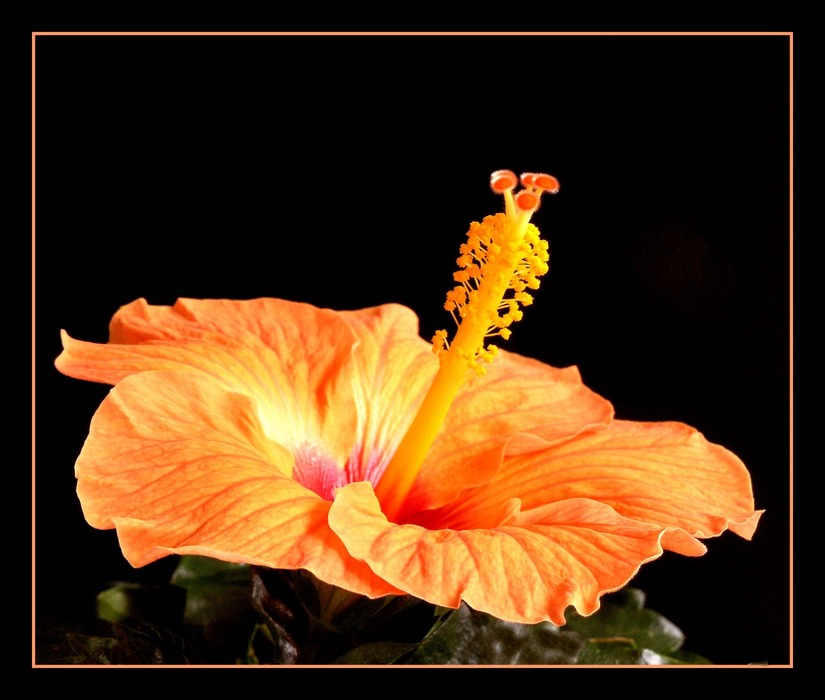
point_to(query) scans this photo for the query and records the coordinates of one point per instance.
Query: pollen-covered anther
(538, 266)
(488, 354)
(456, 299)
(482, 357)
(440, 342)
(547, 183)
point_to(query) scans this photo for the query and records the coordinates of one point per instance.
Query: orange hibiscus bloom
(283, 435)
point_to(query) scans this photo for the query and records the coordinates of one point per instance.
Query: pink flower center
(318, 472)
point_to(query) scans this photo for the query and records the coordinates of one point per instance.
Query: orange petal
(527, 570)
(291, 358)
(392, 369)
(520, 405)
(666, 474)
(179, 465)
(280, 324)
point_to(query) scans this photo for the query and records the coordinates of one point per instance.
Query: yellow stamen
(502, 253)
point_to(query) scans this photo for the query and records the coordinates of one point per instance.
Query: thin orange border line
(34, 648)
(412, 33)
(790, 76)
(790, 337)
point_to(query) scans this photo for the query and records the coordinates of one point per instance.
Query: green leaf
(124, 601)
(687, 657)
(218, 610)
(347, 629)
(135, 644)
(376, 653)
(193, 571)
(92, 650)
(215, 590)
(117, 603)
(604, 652)
(623, 616)
(625, 652)
(469, 637)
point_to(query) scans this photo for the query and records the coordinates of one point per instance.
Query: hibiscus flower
(282, 435)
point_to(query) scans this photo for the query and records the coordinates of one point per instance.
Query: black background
(343, 171)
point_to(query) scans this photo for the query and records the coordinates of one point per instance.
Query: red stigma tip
(503, 180)
(547, 182)
(527, 200)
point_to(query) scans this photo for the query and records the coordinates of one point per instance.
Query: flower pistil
(503, 257)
